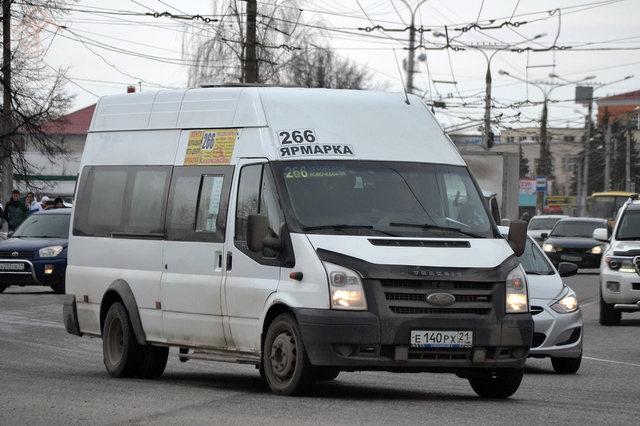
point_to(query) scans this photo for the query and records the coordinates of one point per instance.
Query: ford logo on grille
(441, 299)
(15, 254)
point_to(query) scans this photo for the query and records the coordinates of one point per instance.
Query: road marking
(588, 304)
(611, 362)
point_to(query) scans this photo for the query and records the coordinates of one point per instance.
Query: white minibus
(307, 232)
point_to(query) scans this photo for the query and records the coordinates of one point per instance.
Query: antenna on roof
(401, 79)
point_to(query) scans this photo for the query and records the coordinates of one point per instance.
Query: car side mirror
(566, 269)
(601, 234)
(517, 236)
(544, 235)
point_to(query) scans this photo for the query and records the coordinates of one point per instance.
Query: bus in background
(605, 205)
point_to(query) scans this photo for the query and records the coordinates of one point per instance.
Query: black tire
(608, 315)
(286, 366)
(501, 383)
(153, 361)
(3, 288)
(566, 365)
(122, 353)
(327, 373)
(59, 288)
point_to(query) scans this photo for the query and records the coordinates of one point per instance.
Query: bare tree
(33, 93)
(286, 48)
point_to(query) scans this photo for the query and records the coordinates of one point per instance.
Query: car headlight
(52, 251)
(596, 250)
(345, 288)
(621, 264)
(548, 248)
(567, 304)
(517, 294)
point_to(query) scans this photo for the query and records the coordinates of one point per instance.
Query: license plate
(12, 266)
(571, 258)
(441, 339)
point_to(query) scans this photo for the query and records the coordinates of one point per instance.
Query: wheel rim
(283, 356)
(115, 341)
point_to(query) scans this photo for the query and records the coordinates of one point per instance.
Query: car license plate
(12, 266)
(571, 258)
(441, 339)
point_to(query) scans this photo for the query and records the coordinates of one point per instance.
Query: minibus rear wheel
(287, 368)
(119, 345)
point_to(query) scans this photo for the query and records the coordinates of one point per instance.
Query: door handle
(229, 262)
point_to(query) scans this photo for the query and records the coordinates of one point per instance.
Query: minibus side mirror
(518, 236)
(258, 234)
(544, 235)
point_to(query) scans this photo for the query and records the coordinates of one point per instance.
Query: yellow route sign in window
(210, 147)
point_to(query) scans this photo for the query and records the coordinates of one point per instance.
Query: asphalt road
(49, 377)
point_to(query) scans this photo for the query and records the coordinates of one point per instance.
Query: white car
(619, 281)
(543, 224)
(554, 306)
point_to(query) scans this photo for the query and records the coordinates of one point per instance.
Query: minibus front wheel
(286, 366)
(119, 346)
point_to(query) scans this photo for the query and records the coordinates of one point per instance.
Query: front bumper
(629, 289)
(556, 335)
(32, 271)
(582, 260)
(362, 341)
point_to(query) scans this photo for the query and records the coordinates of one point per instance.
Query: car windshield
(44, 226)
(574, 228)
(384, 198)
(534, 261)
(546, 223)
(629, 227)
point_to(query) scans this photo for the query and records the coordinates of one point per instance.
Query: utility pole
(412, 47)
(627, 181)
(251, 61)
(542, 163)
(7, 113)
(585, 177)
(607, 157)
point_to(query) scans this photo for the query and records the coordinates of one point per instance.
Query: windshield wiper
(431, 226)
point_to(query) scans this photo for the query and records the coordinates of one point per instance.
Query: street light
(542, 166)
(412, 40)
(486, 138)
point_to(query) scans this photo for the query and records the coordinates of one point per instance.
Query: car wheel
(499, 383)
(287, 368)
(566, 365)
(608, 315)
(153, 361)
(59, 288)
(119, 345)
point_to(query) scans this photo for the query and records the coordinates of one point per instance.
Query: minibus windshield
(384, 198)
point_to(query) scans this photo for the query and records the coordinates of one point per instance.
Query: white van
(304, 231)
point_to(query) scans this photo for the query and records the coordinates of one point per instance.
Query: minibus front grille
(411, 297)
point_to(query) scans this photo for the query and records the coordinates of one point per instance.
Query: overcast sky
(110, 45)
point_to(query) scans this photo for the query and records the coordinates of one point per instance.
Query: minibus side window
(198, 202)
(148, 200)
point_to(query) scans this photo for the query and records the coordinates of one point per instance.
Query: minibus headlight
(345, 288)
(52, 251)
(517, 294)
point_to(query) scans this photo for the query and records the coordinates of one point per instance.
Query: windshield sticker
(297, 172)
(316, 149)
(210, 147)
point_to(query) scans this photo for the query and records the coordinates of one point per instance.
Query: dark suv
(36, 253)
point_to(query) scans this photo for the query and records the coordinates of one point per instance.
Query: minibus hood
(435, 252)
